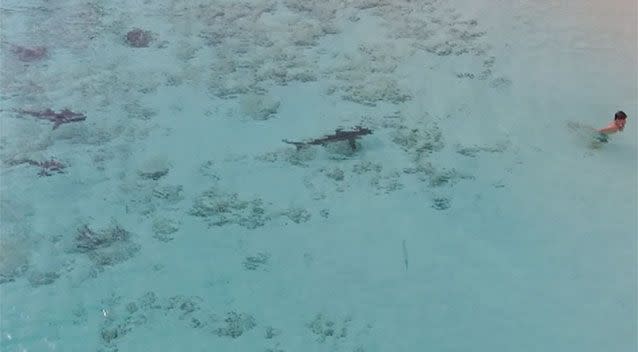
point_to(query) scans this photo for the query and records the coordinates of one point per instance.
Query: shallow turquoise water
(471, 219)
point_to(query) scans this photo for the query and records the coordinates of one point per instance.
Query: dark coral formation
(170, 194)
(139, 38)
(42, 278)
(122, 317)
(136, 313)
(125, 316)
(325, 329)
(441, 203)
(108, 247)
(154, 168)
(222, 208)
(236, 325)
(447, 177)
(340, 135)
(272, 332)
(58, 118)
(254, 262)
(32, 54)
(423, 141)
(89, 240)
(164, 228)
(155, 175)
(366, 166)
(298, 215)
(473, 151)
(335, 174)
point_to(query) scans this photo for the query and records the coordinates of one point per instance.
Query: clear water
(471, 219)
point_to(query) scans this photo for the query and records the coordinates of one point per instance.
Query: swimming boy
(620, 118)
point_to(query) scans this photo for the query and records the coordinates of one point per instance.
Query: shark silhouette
(340, 135)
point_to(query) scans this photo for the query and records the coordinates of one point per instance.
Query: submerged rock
(110, 246)
(236, 325)
(43, 278)
(139, 38)
(155, 168)
(32, 54)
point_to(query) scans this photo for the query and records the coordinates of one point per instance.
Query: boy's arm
(608, 129)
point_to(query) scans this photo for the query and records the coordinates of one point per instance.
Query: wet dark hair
(620, 115)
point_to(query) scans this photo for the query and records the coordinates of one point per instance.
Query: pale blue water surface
(170, 215)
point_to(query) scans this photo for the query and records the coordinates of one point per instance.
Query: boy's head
(620, 115)
(619, 119)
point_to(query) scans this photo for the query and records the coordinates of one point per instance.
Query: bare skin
(616, 126)
(598, 136)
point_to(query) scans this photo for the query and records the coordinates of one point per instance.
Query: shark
(340, 135)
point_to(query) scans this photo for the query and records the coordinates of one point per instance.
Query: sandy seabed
(148, 201)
